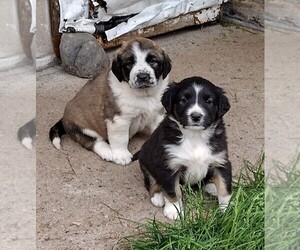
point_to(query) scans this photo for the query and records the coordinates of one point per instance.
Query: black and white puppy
(188, 146)
(119, 102)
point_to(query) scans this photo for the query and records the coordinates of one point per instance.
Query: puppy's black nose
(143, 77)
(196, 116)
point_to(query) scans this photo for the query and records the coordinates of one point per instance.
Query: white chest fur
(194, 153)
(134, 102)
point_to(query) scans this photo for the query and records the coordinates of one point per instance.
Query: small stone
(76, 223)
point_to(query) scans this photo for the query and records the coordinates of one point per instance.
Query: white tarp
(75, 13)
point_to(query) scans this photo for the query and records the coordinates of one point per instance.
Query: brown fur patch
(154, 188)
(91, 106)
(125, 51)
(219, 181)
(145, 44)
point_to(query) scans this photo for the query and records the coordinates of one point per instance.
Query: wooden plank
(193, 18)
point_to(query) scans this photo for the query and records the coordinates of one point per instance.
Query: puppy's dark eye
(209, 100)
(153, 62)
(128, 63)
(184, 99)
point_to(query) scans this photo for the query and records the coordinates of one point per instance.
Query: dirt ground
(86, 203)
(17, 164)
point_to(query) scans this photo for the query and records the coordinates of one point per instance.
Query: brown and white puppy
(121, 101)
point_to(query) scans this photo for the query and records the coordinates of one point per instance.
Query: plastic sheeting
(76, 14)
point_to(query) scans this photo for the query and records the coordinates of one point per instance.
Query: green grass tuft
(204, 226)
(282, 214)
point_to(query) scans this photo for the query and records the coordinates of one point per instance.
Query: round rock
(82, 55)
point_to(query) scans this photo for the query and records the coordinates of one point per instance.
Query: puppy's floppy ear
(167, 65)
(224, 104)
(167, 99)
(116, 68)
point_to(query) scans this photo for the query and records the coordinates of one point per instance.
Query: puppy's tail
(135, 156)
(56, 132)
(26, 134)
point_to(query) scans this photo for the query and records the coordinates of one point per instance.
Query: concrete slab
(86, 203)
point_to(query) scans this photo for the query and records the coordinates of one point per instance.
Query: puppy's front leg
(222, 180)
(173, 198)
(118, 137)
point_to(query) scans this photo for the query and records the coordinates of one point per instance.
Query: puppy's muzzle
(143, 80)
(195, 120)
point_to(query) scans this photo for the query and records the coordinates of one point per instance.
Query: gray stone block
(82, 55)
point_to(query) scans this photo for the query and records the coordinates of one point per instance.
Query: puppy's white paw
(158, 199)
(223, 202)
(122, 157)
(106, 154)
(173, 210)
(102, 149)
(56, 142)
(211, 189)
(27, 142)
